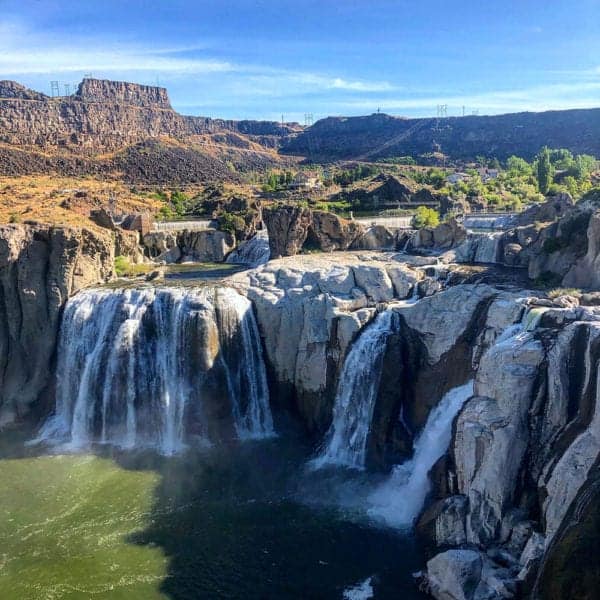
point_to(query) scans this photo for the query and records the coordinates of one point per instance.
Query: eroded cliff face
(520, 473)
(106, 114)
(40, 267)
(309, 309)
(512, 498)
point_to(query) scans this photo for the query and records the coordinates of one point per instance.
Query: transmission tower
(67, 87)
(442, 111)
(308, 119)
(54, 89)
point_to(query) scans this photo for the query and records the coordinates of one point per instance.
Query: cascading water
(399, 500)
(486, 247)
(146, 366)
(346, 441)
(253, 252)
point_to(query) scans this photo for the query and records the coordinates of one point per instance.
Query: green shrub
(426, 217)
(121, 265)
(231, 222)
(556, 292)
(124, 268)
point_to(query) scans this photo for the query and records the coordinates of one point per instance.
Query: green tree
(544, 170)
(561, 159)
(582, 167)
(426, 217)
(518, 166)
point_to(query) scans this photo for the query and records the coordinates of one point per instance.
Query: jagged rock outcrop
(106, 114)
(524, 454)
(309, 309)
(132, 94)
(287, 228)
(130, 130)
(293, 228)
(40, 267)
(444, 236)
(553, 208)
(205, 245)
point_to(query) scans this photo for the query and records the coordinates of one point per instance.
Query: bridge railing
(181, 225)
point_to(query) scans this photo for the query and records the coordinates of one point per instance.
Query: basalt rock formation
(294, 229)
(208, 245)
(309, 309)
(40, 268)
(72, 134)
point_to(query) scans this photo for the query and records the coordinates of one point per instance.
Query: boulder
(205, 245)
(454, 574)
(328, 231)
(553, 208)
(443, 523)
(376, 237)
(102, 218)
(287, 227)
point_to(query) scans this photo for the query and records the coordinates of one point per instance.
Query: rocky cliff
(40, 268)
(106, 114)
(379, 135)
(72, 134)
(512, 498)
(511, 504)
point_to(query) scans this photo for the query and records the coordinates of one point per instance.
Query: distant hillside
(105, 125)
(382, 136)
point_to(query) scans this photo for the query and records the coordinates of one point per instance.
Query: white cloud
(23, 53)
(536, 98)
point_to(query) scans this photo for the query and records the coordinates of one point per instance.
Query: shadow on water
(233, 525)
(243, 521)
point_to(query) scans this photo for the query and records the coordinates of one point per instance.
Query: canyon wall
(40, 268)
(379, 136)
(108, 115)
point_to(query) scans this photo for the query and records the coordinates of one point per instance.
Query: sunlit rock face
(309, 309)
(40, 268)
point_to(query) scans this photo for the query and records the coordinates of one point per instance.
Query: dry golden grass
(42, 198)
(68, 200)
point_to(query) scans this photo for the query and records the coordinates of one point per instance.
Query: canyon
(439, 383)
(476, 400)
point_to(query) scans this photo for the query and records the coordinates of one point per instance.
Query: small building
(456, 177)
(306, 180)
(488, 174)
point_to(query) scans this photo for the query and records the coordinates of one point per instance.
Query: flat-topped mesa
(133, 94)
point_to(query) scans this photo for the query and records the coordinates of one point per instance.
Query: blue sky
(265, 58)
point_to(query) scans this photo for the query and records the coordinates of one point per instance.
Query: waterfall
(400, 498)
(486, 247)
(253, 252)
(141, 367)
(346, 441)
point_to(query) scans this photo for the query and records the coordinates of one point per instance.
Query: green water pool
(245, 521)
